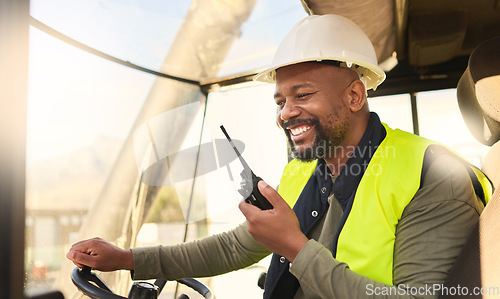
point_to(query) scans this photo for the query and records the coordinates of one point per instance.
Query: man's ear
(356, 95)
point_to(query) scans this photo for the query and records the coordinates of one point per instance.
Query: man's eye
(303, 95)
(280, 103)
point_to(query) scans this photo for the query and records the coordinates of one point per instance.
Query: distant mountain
(73, 180)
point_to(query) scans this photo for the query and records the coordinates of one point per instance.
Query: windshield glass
(89, 147)
(142, 32)
(137, 31)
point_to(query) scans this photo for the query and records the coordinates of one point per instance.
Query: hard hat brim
(373, 74)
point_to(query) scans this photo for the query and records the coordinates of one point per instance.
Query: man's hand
(277, 229)
(100, 255)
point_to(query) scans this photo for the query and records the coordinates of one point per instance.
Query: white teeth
(299, 130)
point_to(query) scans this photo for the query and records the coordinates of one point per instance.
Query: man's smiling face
(312, 107)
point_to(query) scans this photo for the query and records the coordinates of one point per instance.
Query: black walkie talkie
(249, 181)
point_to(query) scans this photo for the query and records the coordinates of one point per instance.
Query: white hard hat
(327, 37)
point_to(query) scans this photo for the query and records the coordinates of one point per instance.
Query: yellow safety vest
(366, 242)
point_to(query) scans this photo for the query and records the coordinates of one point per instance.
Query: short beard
(324, 144)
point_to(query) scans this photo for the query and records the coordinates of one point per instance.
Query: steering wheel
(91, 285)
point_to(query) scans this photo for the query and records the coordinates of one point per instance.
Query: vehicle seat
(478, 94)
(491, 164)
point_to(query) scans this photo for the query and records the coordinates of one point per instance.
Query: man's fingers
(247, 208)
(85, 245)
(80, 259)
(100, 255)
(272, 195)
(78, 264)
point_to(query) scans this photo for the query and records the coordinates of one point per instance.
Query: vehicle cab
(113, 124)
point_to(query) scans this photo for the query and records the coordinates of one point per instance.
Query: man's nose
(288, 111)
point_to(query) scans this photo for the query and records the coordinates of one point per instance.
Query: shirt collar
(351, 173)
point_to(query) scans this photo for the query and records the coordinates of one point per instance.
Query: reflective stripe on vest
(366, 242)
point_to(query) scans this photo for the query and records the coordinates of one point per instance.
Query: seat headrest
(478, 92)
